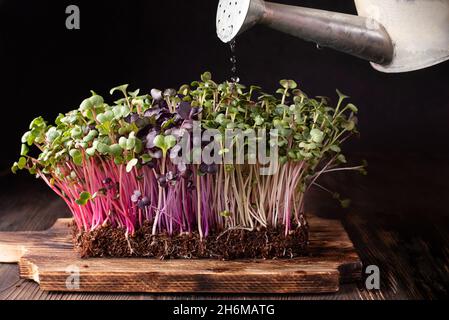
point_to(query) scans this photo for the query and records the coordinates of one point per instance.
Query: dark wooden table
(398, 220)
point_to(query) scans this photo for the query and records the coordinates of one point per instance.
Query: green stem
(160, 198)
(284, 96)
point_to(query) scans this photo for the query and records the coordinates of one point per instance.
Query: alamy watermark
(372, 281)
(73, 280)
(72, 21)
(233, 147)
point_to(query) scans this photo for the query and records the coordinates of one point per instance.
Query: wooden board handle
(14, 245)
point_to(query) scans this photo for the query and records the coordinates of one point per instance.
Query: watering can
(394, 35)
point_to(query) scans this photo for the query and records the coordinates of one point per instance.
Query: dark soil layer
(232, 244)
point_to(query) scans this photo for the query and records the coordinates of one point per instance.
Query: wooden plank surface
(48, 256)
(398, 220)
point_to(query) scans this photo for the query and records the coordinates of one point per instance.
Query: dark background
(46, 69)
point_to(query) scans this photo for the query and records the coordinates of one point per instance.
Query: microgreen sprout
(112, 164)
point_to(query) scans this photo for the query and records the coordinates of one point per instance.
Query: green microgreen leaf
(121, 88)
(15, 168)
(115, 150)
(131, 164)
(146, 158)
(206, 76)
(22, 163)
(225, 214)
(24, 150)
(84, 198)
(317, 135)
(77, 156)
(164, 142)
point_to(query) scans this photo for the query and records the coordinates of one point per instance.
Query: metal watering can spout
(395, 35)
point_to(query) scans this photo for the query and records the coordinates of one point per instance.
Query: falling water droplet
(319, 47)
(233, 59)
(232, 44)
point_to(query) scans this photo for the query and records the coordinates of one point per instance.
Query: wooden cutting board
(48, 258)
